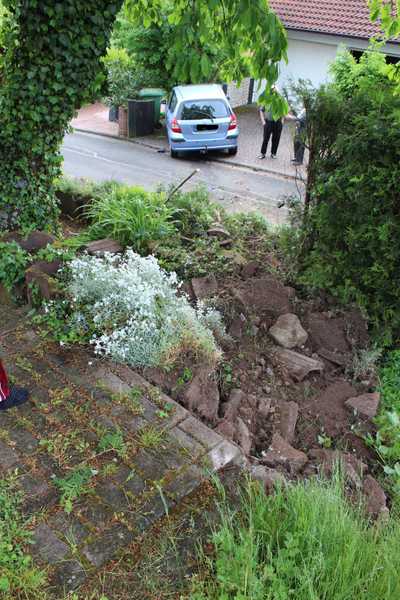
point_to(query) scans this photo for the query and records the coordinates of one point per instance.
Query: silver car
(199, 117)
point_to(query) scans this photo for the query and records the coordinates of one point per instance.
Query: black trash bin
(113, 114)
(140, 117)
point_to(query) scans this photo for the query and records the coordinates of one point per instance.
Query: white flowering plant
(137, 314)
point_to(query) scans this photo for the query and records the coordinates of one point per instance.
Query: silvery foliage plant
(138, 313)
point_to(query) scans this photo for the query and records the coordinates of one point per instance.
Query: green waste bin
(157, 95)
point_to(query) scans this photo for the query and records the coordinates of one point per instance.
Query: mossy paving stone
(68, 527)
(67, 577)
(95, 514)
(9, 459)
(23, 440)
(130, 480)
(107, 544)
(112, 495)
(149, 465)
(38, 493)
(47, 545)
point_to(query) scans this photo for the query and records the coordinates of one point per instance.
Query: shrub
(13, 262)
(193, 212)
(131, 216)
(304, 542)
(123, 82)
(387, 440)
(136, 312)
(351, 226)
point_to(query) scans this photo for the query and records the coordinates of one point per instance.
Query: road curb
(232, 163)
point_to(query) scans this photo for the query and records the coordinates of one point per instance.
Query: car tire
(232, 151)
(174, 153)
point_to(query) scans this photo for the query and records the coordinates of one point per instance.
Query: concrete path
(237, 189)
(143, 454)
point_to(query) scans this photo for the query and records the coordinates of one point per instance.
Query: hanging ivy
(51, 66)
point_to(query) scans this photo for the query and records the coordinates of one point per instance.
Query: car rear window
(196, 110)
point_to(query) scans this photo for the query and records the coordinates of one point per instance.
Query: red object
(233, 123)
(175, 126)
(4, 387)
(337, 17)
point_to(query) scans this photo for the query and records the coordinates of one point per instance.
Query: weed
(150, 437)
(113, 441)
(63, 445)
(73, 486)
(130, 400)
(109, 469)
(183, 379)
(365, 364)
(59, 396)
(165, 412)
(324, 440)
(18, 577)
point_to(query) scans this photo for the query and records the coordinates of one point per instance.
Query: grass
(18, 577)
(131, 216)
(150, 437)
(305, 542)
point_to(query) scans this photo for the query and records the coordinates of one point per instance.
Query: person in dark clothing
(299, 138)
(10, 396)
(271, 127)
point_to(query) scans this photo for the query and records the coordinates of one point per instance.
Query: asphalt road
(237, 189)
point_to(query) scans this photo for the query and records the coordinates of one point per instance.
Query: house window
(390, 59)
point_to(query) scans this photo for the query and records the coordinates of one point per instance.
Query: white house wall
(310, 54)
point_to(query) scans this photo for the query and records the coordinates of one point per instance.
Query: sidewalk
(94, 119)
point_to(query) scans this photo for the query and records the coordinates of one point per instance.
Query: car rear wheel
(232, 151)
(174, 153)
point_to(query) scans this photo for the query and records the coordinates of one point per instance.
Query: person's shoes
(261, 156)
(296, 163)
(16, 397)
(273, 155)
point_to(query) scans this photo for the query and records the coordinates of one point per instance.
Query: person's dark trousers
(299, 146)
(273, 128)
(299, 149)
(276, 136)
(267, 134)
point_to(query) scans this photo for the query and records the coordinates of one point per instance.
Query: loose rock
(269, 477)
(204, 287)
(288, 331)
(202, 395)
(100, 247)
(297, 365)
(243, 436)
(375, 498)
(282, 453)
(366, 404)
(289, 413)
(264, 295)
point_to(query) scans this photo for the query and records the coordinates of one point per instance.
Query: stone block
(107, 545)
(100, 247)
(8, 458)
(48, 546)
(200, 432)
(222, 455)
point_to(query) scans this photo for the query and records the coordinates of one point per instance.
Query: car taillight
(175, 126)
(233, 123)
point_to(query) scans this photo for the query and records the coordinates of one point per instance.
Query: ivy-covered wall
(50, 68)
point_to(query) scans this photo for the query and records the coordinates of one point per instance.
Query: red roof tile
(337, 17)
